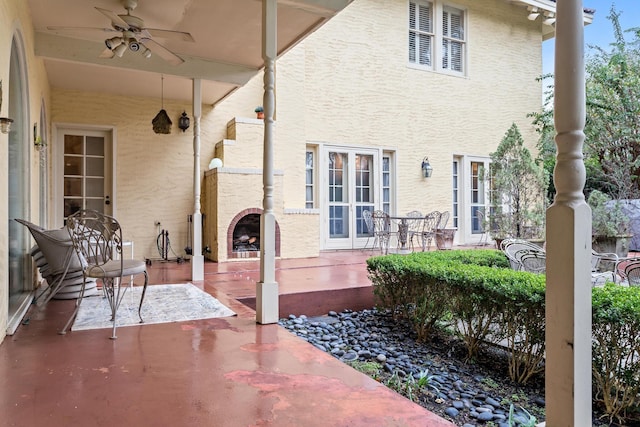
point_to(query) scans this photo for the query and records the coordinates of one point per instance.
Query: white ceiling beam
(84, 51)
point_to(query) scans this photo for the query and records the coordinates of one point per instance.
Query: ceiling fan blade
(162, 51)
(170, 34)
(81, 30)
(107, 53)
(115, 19)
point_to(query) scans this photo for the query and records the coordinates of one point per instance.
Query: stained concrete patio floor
(216, 372)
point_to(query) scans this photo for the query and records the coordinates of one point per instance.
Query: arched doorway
(20, 283)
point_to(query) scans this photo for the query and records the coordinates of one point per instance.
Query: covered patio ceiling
(225, 54)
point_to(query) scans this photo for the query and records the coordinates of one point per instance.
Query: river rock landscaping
(434, 375)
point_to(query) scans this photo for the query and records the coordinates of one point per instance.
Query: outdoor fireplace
(243, 237)
(246, 234)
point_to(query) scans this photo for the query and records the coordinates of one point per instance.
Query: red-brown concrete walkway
(216, 372)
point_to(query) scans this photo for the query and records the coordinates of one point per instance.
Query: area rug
(162, 304)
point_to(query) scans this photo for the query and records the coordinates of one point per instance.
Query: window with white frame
(310, 182)
(456, 193)
(386, 183)
(437, 36)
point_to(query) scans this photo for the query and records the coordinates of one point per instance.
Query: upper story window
(437, 36)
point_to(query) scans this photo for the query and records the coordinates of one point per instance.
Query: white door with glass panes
(470, 198)
(84, 172)
(350, 178)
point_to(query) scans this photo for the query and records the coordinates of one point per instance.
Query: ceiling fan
(132, 34)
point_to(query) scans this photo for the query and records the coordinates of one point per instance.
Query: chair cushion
(130, 267)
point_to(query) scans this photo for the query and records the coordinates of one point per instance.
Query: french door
(470, 198)
(84, 178)
(350, 187)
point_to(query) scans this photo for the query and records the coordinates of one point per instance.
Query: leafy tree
(612, 128)
(517, 189)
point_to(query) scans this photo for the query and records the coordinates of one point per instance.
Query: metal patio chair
(97, 239)
(632, 272)
(429, 225)
(533, 261)
(414, 222)
(381, 230)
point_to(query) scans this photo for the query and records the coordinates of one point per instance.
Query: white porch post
(197, 259)
(267, 287)
(568, 296)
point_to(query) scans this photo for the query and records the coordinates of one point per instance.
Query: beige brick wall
(347, 84)
(350, 84)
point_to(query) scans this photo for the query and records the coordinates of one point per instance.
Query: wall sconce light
(533, 13)
(183, 122)
(5, 124)
(427, 170)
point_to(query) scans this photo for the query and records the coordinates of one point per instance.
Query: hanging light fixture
(183, 123)
(549, 18)
(427, 170)
(161, 122)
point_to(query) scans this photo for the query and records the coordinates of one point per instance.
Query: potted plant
(610, 227)
(518, 186)
(259, 112)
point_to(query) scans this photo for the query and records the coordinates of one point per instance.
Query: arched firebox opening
(243, 237)
(246, 234)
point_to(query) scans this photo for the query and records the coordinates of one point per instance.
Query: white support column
(267, 287)
(568, 296)
(197, 259)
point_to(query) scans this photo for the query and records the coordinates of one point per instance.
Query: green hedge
(488, 302)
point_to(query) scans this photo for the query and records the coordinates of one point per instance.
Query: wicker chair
(58, 264)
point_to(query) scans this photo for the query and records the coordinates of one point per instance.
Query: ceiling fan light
(146, 52)
(119, 50)
(113, 42)
(134, 46)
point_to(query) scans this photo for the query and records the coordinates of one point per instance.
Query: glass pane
(72, 206)
(95, 204)
(72, 165)
(338, 222)
(425, 49)
(73, 144)
(73, 187)
(95, 166)
(95, 146)
(362, 230)
(95, 187)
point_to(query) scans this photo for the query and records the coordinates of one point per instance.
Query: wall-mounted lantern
(427, 170)
(183, 122)
(5, 122)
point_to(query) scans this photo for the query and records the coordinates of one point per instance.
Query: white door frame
(109, 133)
(352, 241)
(465, 204)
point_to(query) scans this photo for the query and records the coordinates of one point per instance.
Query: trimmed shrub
(616, 348)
